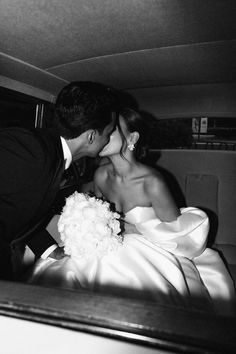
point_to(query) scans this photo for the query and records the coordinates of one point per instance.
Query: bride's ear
(134, 137)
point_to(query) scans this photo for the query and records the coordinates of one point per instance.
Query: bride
(164, 256)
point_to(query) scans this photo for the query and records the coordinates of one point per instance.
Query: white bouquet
(88, 227)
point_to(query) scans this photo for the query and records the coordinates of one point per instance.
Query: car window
(20, 110)
(218, 133)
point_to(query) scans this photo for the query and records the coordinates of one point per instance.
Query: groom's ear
(91, 136)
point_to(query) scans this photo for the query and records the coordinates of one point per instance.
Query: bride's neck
(122, 168)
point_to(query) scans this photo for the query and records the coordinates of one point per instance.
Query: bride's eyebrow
(114, 128)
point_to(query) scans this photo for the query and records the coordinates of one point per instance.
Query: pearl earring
(131, 146)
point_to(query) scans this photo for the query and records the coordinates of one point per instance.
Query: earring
(131, 146)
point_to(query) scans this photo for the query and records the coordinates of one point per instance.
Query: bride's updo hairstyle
(134, 123)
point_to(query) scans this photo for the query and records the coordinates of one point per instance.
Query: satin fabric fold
(167, 263)
(186, 236)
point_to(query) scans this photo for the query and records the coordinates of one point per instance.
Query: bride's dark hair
(134, 123)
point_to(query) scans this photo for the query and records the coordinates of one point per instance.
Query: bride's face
(115, 143)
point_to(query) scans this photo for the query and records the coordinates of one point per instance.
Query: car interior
(176, 60)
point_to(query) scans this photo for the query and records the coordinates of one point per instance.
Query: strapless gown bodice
(166, 262)
(140, 214)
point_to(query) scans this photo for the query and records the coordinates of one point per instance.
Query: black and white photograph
(117, 176)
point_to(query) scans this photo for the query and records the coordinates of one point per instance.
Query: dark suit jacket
(31, 168)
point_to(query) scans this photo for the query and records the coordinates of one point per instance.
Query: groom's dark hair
(84, 105)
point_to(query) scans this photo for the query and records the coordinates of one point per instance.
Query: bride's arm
(183, 233)
(161, 198)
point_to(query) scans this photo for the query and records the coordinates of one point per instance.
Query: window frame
(137, 321)
(146, 323)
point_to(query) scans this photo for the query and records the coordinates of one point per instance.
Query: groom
(33, 162)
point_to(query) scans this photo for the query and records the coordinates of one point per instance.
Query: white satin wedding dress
(168, 262)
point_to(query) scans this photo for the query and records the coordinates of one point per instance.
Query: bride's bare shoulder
(153, 180)
(150, 174)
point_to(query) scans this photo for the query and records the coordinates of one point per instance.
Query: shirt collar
(66, 152)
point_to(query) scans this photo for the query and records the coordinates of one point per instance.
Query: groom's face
(115, 144)
(101, 139)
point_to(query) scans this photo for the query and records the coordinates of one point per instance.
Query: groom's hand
(58, 253)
